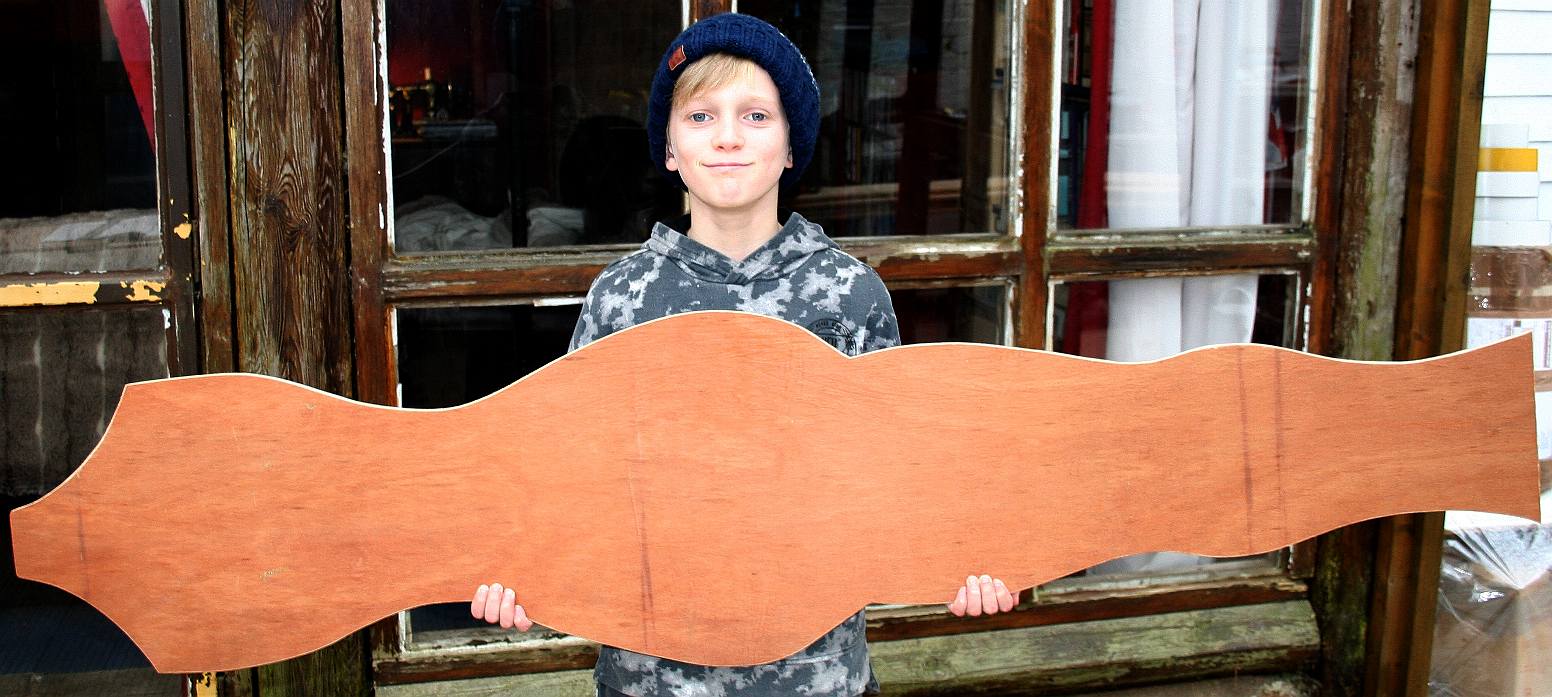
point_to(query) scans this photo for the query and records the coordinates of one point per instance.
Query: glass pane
(520, 124)
(976, 314)
(61, 372)
(79, 117)
(452, 356)
(1148, 319)
(913, 130)
(1183, 113)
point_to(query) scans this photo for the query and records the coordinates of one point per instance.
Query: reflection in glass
(967, 313)
(1182, 113)
(521, 124)
(913, 133)
(1084, 322)
(119, 240)
(61, 372)
(76, 129)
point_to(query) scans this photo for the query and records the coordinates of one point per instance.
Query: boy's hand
(494, 604)
(982, 595)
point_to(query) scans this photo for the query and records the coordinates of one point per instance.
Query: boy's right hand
(494, 603)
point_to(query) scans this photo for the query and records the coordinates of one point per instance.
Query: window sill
(1060, 605)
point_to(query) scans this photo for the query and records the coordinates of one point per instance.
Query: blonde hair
(711, 72)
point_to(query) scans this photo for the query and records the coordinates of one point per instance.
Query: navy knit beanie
(740, 35)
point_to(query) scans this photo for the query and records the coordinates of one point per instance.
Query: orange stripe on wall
(1506, 160)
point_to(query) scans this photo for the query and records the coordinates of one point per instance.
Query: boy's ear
(668, 157)
(789, 157)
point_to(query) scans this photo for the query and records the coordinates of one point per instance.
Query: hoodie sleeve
(882, 329)
(590, 323)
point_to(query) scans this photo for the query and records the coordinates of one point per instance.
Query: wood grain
(653, 472)
(286, 178)
(1034, 146)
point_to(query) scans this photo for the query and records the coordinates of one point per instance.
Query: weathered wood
(431, 277)
(1059, 608)
(1327, 142)
(175, 204)
(1401, 617)
(1374, 176)
(1039, 660)
(523, 657)
(366, 139)
(310, 481)
(884, 624)
(126, 682)
(1441, 182)
(286, 180)
(1036, 146)
(1130, 651)
(569, 683)
(64, 289)
(208, 136)
(1206, 251)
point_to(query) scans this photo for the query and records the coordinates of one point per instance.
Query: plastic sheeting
(1493, 637)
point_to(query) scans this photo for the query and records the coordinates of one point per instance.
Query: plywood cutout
(723, 488)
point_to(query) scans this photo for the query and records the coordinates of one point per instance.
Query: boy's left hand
(982, 595)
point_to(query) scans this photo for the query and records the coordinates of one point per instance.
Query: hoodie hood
(781, 255)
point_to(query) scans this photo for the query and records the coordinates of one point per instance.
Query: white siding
(1518, 85)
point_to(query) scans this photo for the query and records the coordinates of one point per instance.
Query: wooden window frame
(1030, 260)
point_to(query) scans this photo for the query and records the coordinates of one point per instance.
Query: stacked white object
(1509, 190)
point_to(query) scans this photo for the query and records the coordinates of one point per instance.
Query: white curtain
(1188, 131)
(1188, 123)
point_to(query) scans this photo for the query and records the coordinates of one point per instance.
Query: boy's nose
(727, 136)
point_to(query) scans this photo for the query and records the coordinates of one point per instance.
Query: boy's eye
(699, 117)
(757, 116)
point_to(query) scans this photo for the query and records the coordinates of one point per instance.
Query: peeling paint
(202, 685)
(143, 291)
(58, 293)
(183, 230)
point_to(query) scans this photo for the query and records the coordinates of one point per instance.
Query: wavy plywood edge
(226, 521)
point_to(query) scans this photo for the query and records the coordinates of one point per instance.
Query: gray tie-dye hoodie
(800, 275)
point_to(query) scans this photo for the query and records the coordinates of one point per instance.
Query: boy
(733, 118)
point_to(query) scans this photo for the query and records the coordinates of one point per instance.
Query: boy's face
(729, 143)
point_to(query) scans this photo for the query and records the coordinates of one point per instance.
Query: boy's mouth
(727, 165)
